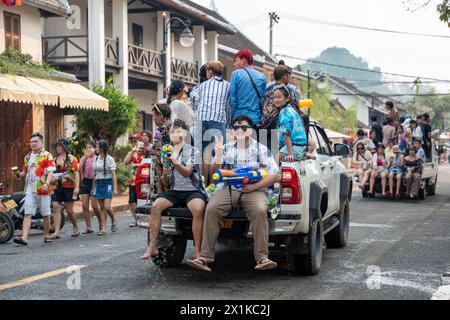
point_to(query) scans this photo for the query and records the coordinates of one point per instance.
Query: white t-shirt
(31, 176)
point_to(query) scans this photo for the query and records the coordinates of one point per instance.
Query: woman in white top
(363, 161)
(416, 131)
(180, 110)
(105, 185)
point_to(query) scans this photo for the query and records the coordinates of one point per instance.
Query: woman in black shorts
(87, 180)
(67, 179)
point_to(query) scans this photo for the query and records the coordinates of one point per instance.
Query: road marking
(367, 225)
(39, 277)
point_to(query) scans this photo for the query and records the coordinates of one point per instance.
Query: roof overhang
(188, 10)
(54, 7)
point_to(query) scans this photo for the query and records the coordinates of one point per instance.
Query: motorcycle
(12, 213)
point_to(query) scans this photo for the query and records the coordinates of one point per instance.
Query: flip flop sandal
(133, 225)
(88, 232)
(48, 240)
(114, 228)
(75, 235)
(55, 237)
(199, 264)
(101, 233)
(20, 241)
(266, 264)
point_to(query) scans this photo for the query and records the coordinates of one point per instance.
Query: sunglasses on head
(243, 128)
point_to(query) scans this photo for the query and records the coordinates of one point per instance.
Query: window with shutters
(12, 30)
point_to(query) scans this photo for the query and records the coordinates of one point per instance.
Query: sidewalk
(119, 204)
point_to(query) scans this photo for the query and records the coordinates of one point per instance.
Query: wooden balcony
(73, 50)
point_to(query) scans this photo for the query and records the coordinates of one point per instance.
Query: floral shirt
(291, 124)
(67, 169)
(136, 158)
(39, 170)
(161, 138)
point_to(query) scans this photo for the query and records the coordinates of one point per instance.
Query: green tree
(97, 124)
(329, 117)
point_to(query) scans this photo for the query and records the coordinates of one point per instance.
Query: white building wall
(145, 98)
(30, 25)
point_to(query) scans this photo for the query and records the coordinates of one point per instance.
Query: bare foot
(150, 253)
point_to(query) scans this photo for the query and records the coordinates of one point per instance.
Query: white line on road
(367, 225)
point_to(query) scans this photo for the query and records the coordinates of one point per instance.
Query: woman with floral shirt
(38, 169)
(67, 187)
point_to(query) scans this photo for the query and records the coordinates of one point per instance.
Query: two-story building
(125, 39)
(33, 104)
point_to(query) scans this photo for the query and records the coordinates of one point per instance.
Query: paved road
(397, 250)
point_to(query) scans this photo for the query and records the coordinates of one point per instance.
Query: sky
(394, 53)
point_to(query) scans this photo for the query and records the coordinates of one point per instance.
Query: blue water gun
(239, 177)
(166, 152)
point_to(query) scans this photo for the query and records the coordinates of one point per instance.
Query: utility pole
(273, 18)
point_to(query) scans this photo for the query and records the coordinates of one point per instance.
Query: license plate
(227, 224)
(10, 204)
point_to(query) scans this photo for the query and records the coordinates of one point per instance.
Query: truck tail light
(143, 181)
(291, 192)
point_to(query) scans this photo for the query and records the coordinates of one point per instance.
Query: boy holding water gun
(244, 152)
(186, 190)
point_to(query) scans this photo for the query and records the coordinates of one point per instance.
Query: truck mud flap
(344, 192)
(317, 190)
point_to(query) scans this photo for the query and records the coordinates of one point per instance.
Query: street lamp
(187, 39)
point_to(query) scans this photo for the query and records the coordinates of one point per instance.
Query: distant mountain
(365, 80)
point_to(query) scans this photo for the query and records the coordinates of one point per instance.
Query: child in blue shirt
(291, 130)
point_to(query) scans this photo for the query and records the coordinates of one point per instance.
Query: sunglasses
(360, 148)
(243, 128)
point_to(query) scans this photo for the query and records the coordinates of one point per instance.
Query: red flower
(39, 172)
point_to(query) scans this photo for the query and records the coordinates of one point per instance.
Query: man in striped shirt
(211, 113)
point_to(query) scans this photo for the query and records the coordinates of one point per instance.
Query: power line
(359, 69)
(396, 94)
(344, 25)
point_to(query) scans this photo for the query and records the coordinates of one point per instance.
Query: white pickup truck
(314, 207)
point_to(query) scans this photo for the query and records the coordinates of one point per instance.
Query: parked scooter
(12, 212)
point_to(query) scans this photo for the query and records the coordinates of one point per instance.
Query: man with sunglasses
(252, 199)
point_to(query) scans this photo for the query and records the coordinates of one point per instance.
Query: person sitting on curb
(245, 151)
(185, 189)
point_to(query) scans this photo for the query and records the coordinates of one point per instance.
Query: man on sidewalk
(247, 89)
(252, 199)
(38, 168)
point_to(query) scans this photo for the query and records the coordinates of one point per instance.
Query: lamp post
(187, 39)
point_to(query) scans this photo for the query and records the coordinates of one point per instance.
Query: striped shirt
(214, 98)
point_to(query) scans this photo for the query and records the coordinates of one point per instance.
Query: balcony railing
(112, 52)
(59, 50)
(145, 60)
(185, 70)
(65, 49)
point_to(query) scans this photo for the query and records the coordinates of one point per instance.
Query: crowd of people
(196, 128)
(396, 149)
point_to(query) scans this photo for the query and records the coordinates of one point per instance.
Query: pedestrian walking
(87, 181)
(38, 169)
(105, 185)
(67, 187)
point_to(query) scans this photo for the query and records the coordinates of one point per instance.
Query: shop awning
(49, 92)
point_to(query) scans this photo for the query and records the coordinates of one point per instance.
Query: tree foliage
(97, 124)
(16, 63)
(328, 116)
(437, 106)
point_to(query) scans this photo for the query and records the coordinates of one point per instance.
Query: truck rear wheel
(338, 237)
(309, 263)
(171, 251)
(431, 188)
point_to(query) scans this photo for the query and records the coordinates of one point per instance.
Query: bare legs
(86, 212)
